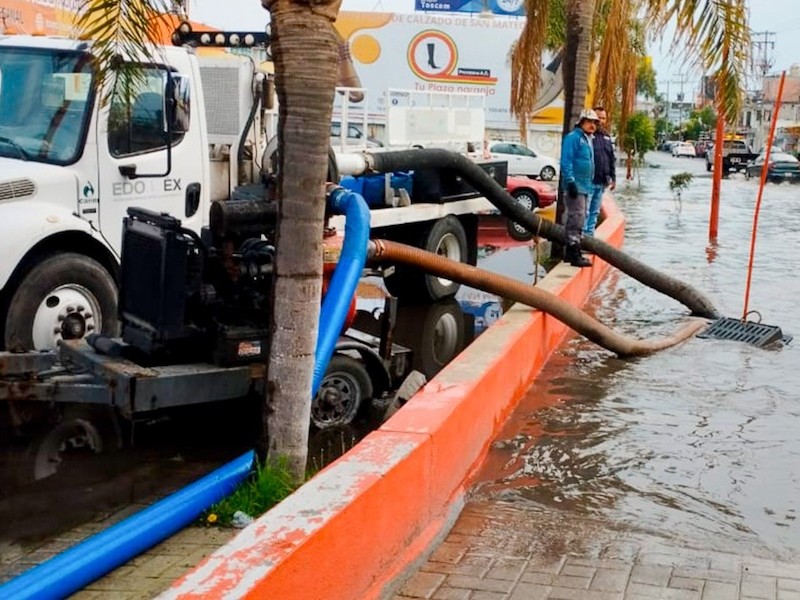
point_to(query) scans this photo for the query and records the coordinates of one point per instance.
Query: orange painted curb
(351, 530)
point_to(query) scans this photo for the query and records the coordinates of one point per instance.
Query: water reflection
(700, 441)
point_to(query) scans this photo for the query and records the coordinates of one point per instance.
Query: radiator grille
(17, 188)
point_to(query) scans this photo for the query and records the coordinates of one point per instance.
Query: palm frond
(717, 33)
(118, 28)
(526, 62)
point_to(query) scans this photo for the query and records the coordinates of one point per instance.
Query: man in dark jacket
(605, 172)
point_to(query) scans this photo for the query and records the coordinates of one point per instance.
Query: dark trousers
(574, 218)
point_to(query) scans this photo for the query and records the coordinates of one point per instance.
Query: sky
(779, 16)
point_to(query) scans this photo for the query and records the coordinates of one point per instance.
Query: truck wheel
(527, 199)
(65, 296)
(435, 333)
(446, 238)
(344, 387)
(547, 173)
(76, 438)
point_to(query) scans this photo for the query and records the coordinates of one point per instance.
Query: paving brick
(545, 566)
(578, 571)
(686, 583)
(481, 595)
(609, 580)
(759, 586)
(790, 585)
(601, 563)
(119, 580)
(560, 593)
(448, 593)
(448, 553)
(155, 566)
(506, 569)
(422, 585)
(477, 566)
(655, 575)
(538, 578)
(771, 568)
(707, 574)
(721, 561)
(476, 583)
(788, 595)
(717, 590)
(652, 591)
(568, 581)
(531, 591)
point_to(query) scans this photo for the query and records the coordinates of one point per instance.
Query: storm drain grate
(736, 330)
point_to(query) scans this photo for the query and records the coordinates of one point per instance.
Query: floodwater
(701, 441)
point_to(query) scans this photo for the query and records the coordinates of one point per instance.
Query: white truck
(71, 166)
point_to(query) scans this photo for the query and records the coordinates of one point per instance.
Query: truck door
(131, 139)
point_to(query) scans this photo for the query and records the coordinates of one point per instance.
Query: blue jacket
(577, 160)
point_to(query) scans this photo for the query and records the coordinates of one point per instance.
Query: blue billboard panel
(506, 8)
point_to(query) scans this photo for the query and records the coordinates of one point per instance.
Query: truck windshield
(45, 102)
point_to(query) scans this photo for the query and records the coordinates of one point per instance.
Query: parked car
(782, 167)
(683, 149)
(524, 161)
(355, 136)
(531, 194)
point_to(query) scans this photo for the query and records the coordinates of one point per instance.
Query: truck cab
(73, 160)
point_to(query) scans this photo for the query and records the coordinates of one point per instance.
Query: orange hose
(573, 317)
(764, 172)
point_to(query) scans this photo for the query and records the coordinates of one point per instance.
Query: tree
(640, 136)
(304, 48)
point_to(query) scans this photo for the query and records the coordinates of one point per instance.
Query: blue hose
(345, 278)
(75, 568)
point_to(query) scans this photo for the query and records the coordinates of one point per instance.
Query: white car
(683, 149)
(524, 161)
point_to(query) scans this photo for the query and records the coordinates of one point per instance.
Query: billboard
(51, 17)
(508, 8)
(456, 53)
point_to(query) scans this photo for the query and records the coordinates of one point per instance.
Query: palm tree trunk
(577, 62)
(304, 48)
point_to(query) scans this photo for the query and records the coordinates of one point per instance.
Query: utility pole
(680, 81)
(762, 41)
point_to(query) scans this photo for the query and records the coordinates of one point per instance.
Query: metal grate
(736, 330)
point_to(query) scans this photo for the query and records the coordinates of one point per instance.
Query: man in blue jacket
(577, 173)
(605, 171)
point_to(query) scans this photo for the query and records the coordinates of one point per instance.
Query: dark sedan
(782, 167)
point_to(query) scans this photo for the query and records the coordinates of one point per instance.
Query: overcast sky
(779, 16)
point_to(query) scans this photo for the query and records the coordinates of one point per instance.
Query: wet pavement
(670, 476)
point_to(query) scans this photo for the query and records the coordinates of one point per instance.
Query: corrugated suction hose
(573, 317)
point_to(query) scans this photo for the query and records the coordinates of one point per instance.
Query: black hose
(435, 158)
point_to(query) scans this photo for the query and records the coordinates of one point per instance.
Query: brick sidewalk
(503, 551)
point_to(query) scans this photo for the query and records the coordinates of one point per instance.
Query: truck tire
(64, 296)
(436, 333)
(529, 201)
(343, 389)
(445, 237)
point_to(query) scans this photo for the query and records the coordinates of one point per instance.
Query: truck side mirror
(177, 104)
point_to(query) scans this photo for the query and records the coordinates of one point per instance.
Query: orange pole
(716, 176)
(764, 172)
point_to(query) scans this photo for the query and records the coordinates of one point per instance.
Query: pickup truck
(736, 154)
